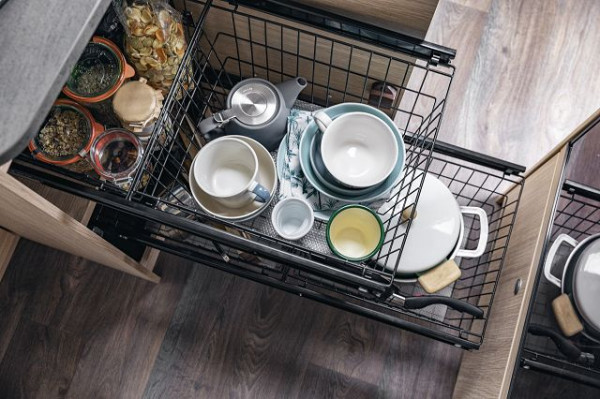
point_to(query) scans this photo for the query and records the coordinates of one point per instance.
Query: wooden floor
(78, 330)
(526, 76)
(526, 73)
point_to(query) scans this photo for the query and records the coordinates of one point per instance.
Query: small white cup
(358, 149)
(292, 218)
(226, 169)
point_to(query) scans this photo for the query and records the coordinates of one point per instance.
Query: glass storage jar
(66, 137)
(99, 73)
(138, 105)
(116, 155)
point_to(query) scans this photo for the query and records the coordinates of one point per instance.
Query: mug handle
(216, 121)
(562, 238)
(483, 233)
(261, 193)
(322, 120)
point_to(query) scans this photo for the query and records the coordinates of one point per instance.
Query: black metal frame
(201, 85)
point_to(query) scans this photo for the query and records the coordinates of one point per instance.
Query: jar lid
(116, 154)
(137, 103)
(99, 72)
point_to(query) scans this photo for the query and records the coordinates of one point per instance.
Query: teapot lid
(254, 102)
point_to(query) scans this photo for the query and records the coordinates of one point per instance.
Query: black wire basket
(342, 60)
(340, 63)
(232, 43)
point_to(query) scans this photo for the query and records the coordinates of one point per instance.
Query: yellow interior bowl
(355, 233)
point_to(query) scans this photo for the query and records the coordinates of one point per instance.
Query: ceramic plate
(297, 183)
(267, 176)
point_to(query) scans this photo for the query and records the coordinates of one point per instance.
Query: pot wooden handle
(439, 277)
(565, 316)
(562, 238)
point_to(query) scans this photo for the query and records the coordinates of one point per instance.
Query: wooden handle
(440, 277)
(408, 212)
(565, 316)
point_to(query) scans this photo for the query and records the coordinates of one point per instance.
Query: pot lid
(434, 232)
(586, 281)
(254, 102)
(137, 102)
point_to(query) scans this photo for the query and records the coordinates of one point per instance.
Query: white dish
(357, 148)
(266, 176)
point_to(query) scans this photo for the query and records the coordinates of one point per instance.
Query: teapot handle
(216, 121)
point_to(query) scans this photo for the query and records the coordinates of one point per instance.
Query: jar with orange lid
(99, 73)
(66, 137)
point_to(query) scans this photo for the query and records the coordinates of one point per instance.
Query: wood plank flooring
(526, 73)
(74, 329)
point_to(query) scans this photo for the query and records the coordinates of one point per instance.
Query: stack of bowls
(352, 153)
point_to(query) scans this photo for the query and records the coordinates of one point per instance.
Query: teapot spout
(290, 89)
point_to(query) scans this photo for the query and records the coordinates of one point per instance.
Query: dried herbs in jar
(65, 133)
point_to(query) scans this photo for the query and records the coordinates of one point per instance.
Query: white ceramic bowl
(267, 177)
(292, 218)
(359, 149)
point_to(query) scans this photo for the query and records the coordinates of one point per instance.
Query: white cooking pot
(435, 236)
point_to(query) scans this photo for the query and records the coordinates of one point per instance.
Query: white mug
(226, 169)
(358, 149)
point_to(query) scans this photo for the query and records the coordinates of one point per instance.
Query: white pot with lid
(580, 279)
(435, 235)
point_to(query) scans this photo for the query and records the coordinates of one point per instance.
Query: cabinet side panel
(486, 373)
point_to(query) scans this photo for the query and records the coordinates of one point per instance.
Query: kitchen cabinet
(27, 214)
(564, 172)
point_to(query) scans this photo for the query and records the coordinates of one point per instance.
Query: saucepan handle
(561, 239)
(483, 233)
(419, 302)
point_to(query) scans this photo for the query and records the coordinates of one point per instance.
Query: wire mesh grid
(231, 44)
(579, 217)
(472, 185)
